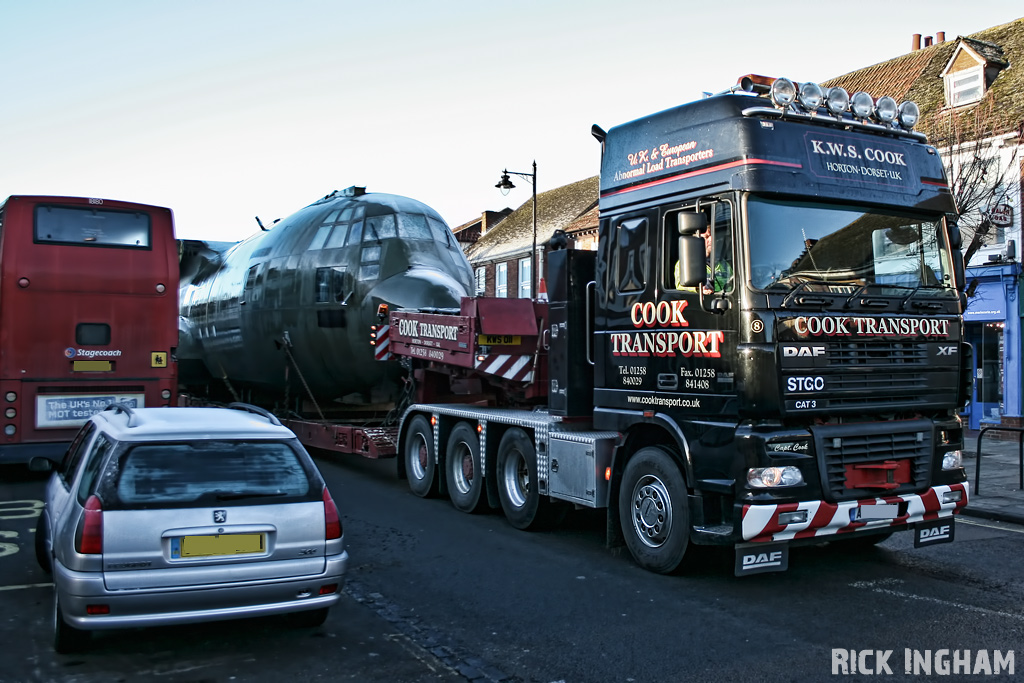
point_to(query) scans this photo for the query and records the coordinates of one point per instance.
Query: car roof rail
(237, 405)
(123, 408)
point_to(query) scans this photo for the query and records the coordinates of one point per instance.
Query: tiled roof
(917, 76)
(556, 210)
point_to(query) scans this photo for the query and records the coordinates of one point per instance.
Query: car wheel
(42, 544)
(420, 463)
(517, 484)
(465, 477)
(653, 510)
(311, 618)
(66, 638)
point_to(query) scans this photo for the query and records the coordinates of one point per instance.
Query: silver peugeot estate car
(178, 515)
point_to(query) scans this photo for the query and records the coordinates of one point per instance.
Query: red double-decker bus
(88, 315)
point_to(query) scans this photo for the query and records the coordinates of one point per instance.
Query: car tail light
(89, 540)
(332, 521)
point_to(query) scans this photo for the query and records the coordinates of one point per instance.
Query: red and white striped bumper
(515, 368)
(761, 522)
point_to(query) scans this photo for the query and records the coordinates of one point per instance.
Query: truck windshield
(838, 248)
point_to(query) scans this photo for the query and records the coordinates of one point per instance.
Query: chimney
(940, 37)
(915, 43)
(927, 41)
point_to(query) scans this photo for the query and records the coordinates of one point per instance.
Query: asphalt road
(435, 595)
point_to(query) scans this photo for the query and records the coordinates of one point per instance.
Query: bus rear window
(92, 334)
(92, 227)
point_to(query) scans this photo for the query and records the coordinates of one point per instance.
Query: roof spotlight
(837, 100)
(783, 92)
(909, 114)
(885, 109)
(811, 96)
(862, 104)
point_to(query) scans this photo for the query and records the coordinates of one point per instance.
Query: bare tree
(981, 152)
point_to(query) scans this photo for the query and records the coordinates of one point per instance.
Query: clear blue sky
(225, 110)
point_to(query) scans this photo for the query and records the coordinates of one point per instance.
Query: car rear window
(216, 471)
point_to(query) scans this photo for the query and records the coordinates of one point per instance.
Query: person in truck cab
(719, 276)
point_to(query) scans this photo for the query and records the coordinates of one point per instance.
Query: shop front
(992, 327)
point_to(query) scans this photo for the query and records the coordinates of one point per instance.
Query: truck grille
(877, 354)
(840, 447)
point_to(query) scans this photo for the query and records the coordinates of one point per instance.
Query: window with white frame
(966, 86)
(481, 281)
(501, 280)
(525, 279)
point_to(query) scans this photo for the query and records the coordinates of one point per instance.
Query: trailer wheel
(465, 477)
(517, 484)
(420, 463)
(653, 510)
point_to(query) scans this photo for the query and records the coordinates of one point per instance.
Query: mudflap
(934, 532)
(760, 558)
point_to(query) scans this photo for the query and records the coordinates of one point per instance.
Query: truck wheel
(420, 463)
(66, 638)
(465, 477)
(653, 510)
(42, 547)
(517, 484)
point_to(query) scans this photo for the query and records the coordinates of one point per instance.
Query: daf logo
(947, 350)
(760, 560)
(940, 533)
(220, 516)
(803, 351)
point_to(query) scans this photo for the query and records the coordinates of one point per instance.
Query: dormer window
(965, 87)
(970, 71)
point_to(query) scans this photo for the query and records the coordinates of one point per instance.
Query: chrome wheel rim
(516, 479)
(652, 511)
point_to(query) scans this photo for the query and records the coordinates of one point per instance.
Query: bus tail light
(89, 539)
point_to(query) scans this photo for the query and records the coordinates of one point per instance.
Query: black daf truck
(779, 292)
(765, 350)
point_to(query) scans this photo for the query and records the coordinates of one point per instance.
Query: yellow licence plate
(221, 544)
(498, 340)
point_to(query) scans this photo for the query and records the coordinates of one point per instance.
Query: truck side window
(631, 255)
(721, 275)
(718, 243)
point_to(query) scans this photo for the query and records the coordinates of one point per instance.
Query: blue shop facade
(992, 325)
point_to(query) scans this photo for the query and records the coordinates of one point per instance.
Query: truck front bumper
(819, 519)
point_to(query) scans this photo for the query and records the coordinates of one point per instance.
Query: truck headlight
(774, 477)
(952, 460)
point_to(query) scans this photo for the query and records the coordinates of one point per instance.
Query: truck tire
(465, 477)
(517, 484)
(420, 462)
(653, 510)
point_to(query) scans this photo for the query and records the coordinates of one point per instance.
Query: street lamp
(505, 185)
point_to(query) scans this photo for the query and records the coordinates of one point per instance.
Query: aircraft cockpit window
(379, 227)
(329, 284)
(355, 232)
(319, 238)
(337, 238)
(414, 227)
(441, 232)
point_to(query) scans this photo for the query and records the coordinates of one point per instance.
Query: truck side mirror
(693, 265)
(955, 238)
(691, 223)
